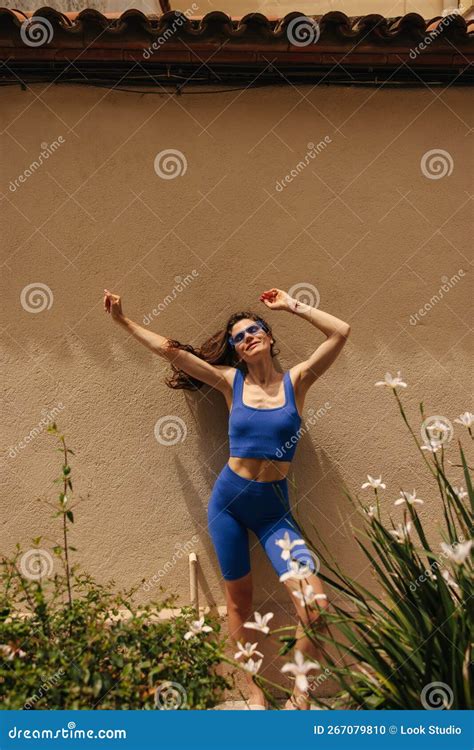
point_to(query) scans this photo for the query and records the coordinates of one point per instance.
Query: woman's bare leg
(239, 610)
(310, 617)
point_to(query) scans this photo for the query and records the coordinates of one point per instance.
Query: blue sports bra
(263, 433)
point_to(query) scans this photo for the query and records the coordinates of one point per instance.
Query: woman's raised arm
(336, 330)
(217, 376)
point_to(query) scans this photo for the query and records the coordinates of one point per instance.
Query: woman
(251, 491)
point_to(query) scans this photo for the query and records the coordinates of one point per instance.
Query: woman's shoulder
(236, 373)
(229, 373)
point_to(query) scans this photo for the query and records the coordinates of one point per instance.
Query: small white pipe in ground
(193, 581)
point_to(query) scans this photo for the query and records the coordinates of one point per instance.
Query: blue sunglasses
(253, 329)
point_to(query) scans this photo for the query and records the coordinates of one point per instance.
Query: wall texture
(367, 225)
(236, 8)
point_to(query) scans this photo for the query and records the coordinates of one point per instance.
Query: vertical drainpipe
(193, 582)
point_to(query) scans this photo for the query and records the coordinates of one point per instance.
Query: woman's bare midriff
(261, 469)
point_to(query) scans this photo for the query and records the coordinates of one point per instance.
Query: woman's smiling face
(253, 341)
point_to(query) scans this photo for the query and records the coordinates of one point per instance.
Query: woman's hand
(276, 299)
(113, 305)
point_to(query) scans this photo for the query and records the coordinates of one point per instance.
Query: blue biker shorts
(238, 504)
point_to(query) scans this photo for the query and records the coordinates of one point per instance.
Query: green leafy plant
(67, 641)
(407, 644)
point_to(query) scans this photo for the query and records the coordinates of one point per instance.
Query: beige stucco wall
(389, 8)
(361, 223)
(271, 8)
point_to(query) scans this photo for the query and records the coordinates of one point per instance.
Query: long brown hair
(216, 350)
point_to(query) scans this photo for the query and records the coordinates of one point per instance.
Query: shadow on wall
(311, 484)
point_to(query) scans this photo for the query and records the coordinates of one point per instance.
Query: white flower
(287, 545)
(460, 492)
(10, 652)
(370, 511)
(300, 668)
(308, 596)
(296, 571)
(247, 651)
(449, 580)
(438, 426)
(252, 666)
(392, 382)
(401, 532)
(465, 419)
(458, 553)
(409, 498)
(197, 626)
(432, 446)
(375, 483)
(260, 622)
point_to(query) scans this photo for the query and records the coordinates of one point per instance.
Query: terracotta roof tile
(254, 39)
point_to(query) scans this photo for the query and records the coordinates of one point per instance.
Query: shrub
(68, 642)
